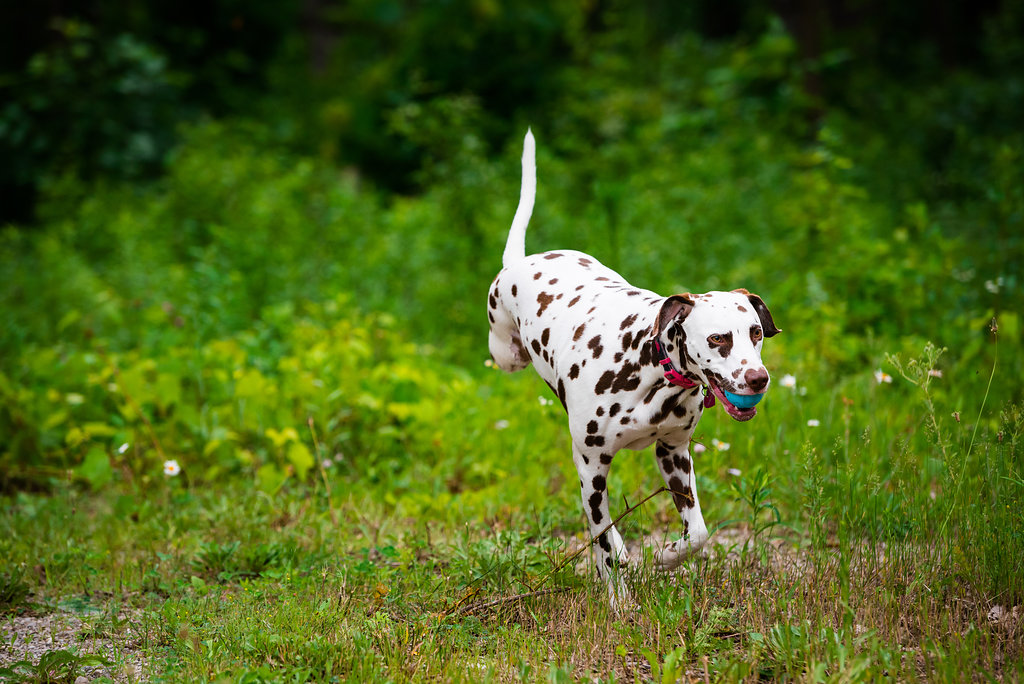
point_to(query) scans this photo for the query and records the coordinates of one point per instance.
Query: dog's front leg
(677, 470)
(609, 551)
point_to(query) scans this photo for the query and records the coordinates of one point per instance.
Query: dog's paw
(672, 554)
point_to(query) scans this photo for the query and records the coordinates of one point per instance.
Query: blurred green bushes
(179, 236)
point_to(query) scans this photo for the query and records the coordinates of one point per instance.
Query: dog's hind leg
(609, 552)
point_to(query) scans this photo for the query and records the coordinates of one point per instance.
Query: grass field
(863, 532)
(247, 430)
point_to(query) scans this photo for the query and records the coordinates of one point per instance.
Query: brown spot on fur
(536, 347)
(552, 281)
(595, 345)
(579, 332)
(536, 276)
(515, 290)
(592, 427)
(628, 378)
(493, 301)
(682, 495)
(594, 440)
(604, 382)
(543, 299)
(544, 336)
(574, 300)
(666, 407)
(553, 255)
(627, 340)
(614, 409)
(627, 321)
(574, 371)
(595, 501)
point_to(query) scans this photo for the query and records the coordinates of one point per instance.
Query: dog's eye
(755, 333)
(716, 339)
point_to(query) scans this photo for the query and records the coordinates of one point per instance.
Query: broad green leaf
(96, 468)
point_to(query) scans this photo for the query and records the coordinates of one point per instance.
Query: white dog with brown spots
(631, 368)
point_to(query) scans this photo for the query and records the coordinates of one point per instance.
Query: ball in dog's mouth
(744, 401)
(740, 406)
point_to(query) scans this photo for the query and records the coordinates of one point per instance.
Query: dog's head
(717, 337)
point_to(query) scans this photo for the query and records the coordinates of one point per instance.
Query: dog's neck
(680, 374)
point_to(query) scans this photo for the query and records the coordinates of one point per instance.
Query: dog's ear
(767, 324)
(676, 306)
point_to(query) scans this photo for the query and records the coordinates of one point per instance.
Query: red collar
(674, 377)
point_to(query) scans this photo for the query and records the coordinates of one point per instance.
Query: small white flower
(171, 468)
(734, 471)
(501, 425)
(813, 422)
(74, 398)
(489, 363)
(788, 381)
(123, 448)
(994, 285)
(698, 448)
(326, 463)
(881, 376)
(339, 457)
(721, 446)
(935, 373)
(545, 402)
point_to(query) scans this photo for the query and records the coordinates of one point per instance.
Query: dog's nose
(757, 380)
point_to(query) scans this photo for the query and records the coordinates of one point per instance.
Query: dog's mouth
(740, 414)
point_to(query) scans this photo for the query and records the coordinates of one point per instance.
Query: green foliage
(93, 106)
(357, 488)
(13, 589)
(53, 666)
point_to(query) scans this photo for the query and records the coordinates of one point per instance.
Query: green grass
(362, 499)
(868, 547)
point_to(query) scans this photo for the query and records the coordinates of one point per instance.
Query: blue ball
(743, 401)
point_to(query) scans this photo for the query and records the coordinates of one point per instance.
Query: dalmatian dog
(631, 368)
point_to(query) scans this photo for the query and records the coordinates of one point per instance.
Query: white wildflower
(171, 468)
(994, 285)
(698, 448)
(721, 446)
(545, 402)
(813, 422)
(734, 472)
(326, 463)
(123, 448)
(935, 373)
(881, 376)
(788, 381)
(501, 425)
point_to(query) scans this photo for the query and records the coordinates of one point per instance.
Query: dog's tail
(515, 247)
